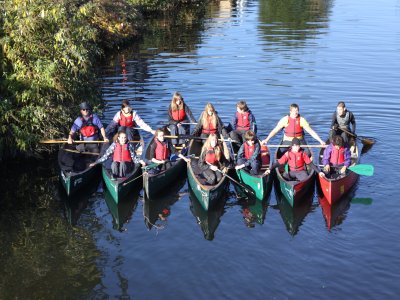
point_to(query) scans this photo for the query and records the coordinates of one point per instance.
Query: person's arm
(221, 128)
(327, 155)
(280, 162)
(142, 124)
(170, 118)
(353, 123)
(76, 126)
(189, 114)
(132, 152)
(274, 131)
(347, 157)
(202, 162)
(97, 122)
(253, 123)
(234, 122)
(307, 127)
(333, 121)
(198, 127)
(107, 154)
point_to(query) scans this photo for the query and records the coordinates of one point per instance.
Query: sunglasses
(84, 109)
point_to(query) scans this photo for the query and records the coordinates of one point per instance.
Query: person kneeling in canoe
(212, 159)
(249, 154)
(296, 158)
(336, 158)
(124, 156)
(209, 123)
(162, 152)
(243, 121)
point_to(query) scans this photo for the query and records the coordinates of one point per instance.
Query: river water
(269, 53)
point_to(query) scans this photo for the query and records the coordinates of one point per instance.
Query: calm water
(270, 53)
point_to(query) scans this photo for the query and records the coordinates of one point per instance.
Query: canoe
(119, 187)
(261, 183)
(334, 189)
(156, 184)
(122, 211)
(75, 172)
(208, 220)
(206, 194)
(293, 190)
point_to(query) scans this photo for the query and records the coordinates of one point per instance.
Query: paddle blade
(365, 201)
(363, 169)
(366, 141)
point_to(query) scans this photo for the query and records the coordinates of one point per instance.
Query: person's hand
(327, 168)
(321, 174)
(322, 143)
(142, 162)
(238, 167)
(153, 131)
(343, 170)
(335, 127)
(92, 164)
(267, 172)
(106, 139)
(178, 125)
(225, 170)
(214, 168)
(161, 161)
(70, 141)
(264, 142)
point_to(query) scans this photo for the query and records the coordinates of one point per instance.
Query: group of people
(241, 130)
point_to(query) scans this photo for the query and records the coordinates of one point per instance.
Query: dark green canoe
(261, 184)
(75, 172)
(119, 187)
(206, 194)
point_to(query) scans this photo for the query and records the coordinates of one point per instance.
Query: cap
(296, 141)
(85, 105)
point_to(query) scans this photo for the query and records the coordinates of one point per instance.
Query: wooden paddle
(192, 137)
(362, 169)
(364, 140)
(248, 190)
(76, 142)
(125, 183)
(76, 151)
(301, 146)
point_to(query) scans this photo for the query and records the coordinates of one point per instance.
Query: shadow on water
(122, 211)
(208, 220)
(156, 210)
(40, 252)
(293, 216)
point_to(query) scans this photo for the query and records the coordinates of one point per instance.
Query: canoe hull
(260, 184)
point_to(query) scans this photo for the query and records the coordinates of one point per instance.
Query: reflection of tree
(40, 253)
(290, 22)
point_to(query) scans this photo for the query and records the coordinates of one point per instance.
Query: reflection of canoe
(155, 184)
(334, 189)
(293, 216)
(122, 211)
(119, 187)
(206, 194)
(207, 219)
(75, 172)
(159, 208)
(261, 184)
(294, 190)
(256, 211)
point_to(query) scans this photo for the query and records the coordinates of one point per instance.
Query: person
(88, 125)
(163, 153)
(341, 119)
(293, 125)
(249, 154)
(209, 123)
(127, 119)
(124, 156)
(336, 158)
(243, 121)
(296, 158)
(179, 112)
(211, 159)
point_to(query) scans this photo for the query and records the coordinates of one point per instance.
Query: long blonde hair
(204, 118)
(174, 106)
(217, 148)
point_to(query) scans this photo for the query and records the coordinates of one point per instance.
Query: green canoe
(261, 184)
(206, 194)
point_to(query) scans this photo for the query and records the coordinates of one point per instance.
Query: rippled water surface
(270, 53)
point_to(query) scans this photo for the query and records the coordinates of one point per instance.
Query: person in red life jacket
(178, 113)
(127, 119)
(249, 154)
(336, 158)
(123, 156)
(212, 158)
(209, 123)
(296, 158)
(88, 126)
(243, 121)
(341, 119)
(293, 125)
(163, 153)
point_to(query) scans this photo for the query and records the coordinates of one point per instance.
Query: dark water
(270, 53)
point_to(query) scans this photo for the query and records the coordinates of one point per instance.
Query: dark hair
(125, 103)
(249, 135)
(341, 104)
(294, 105)
(337, 140)
(242, 105)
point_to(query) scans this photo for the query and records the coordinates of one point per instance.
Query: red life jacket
(162, 150)
(243, 122)
(88, 129)
(178, 115)
(337, 156)
(210, 129)
(294, 129)
(265, 157)
(211, 157)
(248, 150)
(126, 120)
(295, 160)
(121, 153)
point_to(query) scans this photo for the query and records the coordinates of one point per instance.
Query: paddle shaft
(125, 183)
(363, 140)
(76, 142)
(76, 151)
(192, 137)
(301, 146)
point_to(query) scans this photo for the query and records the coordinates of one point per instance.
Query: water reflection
(293, 216)
(208, 220)
(122, 211)
(254, 211)
(156, 210)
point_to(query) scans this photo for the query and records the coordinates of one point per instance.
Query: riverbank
(48, 56)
